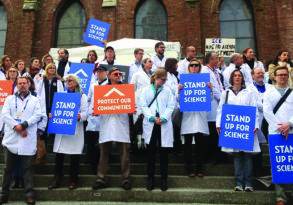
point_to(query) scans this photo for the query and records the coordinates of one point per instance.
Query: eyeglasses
(282, 75)
(12, 71)
(117, 74)
(194, 65)
(69, 80)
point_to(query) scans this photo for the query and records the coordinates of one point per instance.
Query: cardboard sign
(237, 126)
(84, 72)
(64, 112)
(124, 70)
(6, 88)
(114, 99)
(281, 155)
(195, 95)
(224, 47)
(96, 32)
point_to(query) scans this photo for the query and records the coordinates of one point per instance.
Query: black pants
(74, 166)
(10, 165)
(153, 147)
(215, 153)
(200, 151)
(93, 153)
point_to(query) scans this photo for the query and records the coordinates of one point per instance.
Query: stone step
(109, 203)
(215, 182)
(173, 195)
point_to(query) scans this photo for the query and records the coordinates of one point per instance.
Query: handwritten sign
(224, 47)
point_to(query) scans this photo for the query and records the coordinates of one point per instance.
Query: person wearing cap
(110, 56)
(70, 145)
(183, 64)
(195, 126)
(136, 66)
(114, 128)
(159, 59)
(93, 126)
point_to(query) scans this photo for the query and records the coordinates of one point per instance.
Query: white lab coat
(73, 144)
(244, 97)
(164, 105)
(257, 64)
(216, 92)
(157, 63)
(93, 121)
(66, 70)
(133, 68)
(284, 114)
(246, 71)
(194, 122)
(260, 98)
(32, 113)
(183, 66)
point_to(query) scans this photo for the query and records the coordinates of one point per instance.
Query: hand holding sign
(96, 32)
(281, 155)
(237, 127)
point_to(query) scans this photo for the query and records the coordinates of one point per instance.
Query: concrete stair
(215, 188)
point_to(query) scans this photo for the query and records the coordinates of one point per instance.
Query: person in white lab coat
(63, 65)
(238, 94)
(70, 145)
(280, 121)
(21, 113)
(159, 59)
(194, 125)
(250, 61)
(114, 128)
(110, 56)
(157, 105)
(236, 63)
(211, 60)
(93, 126)
(183, 64)
(136, 66)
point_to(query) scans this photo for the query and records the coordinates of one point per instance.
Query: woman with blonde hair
(157, 103)
(70, 145)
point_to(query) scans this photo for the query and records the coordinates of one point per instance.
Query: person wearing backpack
(157, 103)
(278, 112)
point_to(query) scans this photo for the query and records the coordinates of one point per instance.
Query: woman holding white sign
(70, 145)
(157, 103)
(238, 94)
(194, 124)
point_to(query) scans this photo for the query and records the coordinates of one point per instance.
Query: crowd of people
(157, 125)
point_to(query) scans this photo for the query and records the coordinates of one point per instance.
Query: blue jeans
(243, 169)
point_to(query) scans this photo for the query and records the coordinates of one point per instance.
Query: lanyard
(16, 106)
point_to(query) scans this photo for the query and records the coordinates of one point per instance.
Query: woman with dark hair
(238, 94)
(92, 56)
(47, 59)
(282, 59)
(4, 66)
(249, 59)
(194, 125)
(20, 65)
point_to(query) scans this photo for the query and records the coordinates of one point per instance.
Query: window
(70, 25)
(3, 28)
(236, 21)
(151, 20)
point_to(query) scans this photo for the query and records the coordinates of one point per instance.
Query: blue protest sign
(195, 95)
(84, 72)
(64, 112)
(281, 154)
(96, 32)
(237, 127)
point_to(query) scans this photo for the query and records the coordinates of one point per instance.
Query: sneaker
(99, 184)
(238, 188)
(249, 189)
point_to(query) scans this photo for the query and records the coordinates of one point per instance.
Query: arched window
(151, 20)
(70, 25)
(3, 28)
(236, 21)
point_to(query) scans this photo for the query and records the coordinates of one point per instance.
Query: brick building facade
(32, 25)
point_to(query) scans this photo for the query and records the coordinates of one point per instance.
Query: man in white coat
(236, 62)
(280, 121)
(63, 65)
(183, 64)
(137, 64)
(159, 59)
(211, 60)
(21, 113)
(114, 128)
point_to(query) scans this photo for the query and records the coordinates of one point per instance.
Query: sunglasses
(194, 65)
(117, 74)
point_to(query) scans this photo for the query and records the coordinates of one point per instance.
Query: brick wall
(32, 33)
